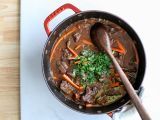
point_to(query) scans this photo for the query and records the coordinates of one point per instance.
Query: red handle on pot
(56, 12)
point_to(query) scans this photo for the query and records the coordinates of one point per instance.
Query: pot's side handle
(56, 12)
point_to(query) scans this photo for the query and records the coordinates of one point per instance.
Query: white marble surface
(37, 103)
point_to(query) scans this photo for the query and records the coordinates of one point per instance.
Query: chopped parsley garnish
(90, 65)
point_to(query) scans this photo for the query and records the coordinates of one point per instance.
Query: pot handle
(56, 12)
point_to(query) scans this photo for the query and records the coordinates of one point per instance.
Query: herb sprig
(90, 66)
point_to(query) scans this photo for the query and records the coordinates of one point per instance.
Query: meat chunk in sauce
(67, 88)
(61, 68)
(76, 37)
(89, 96)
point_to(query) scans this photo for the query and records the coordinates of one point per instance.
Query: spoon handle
(134, 97)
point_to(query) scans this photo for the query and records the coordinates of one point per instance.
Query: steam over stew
(87, 76)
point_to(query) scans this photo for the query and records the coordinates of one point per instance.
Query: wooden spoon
(101, 39)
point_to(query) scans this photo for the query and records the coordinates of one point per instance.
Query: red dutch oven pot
(52, 39)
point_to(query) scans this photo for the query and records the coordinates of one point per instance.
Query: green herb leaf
(91, 66)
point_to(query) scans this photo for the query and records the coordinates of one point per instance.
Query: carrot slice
(115, 84)
(121, 46)
(118, 50)
(77, 62)
(60, 39)
(91, 105)
(72, 51)
(55, 78)
(72, 83)
(72, 58)
(121, 49)
(87, 42)
(78, 46)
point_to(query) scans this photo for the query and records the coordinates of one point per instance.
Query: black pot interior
(84, 15)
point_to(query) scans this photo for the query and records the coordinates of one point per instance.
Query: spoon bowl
(100, 37)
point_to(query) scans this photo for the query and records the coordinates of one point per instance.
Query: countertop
(9, 60)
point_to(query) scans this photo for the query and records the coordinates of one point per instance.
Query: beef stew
(85, 75)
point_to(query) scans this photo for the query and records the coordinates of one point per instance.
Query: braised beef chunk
(67, 88)
(87, 76)
(66, 54)
(114, 91)
(65, 65)
(91, 92)
(76, 36)
(61, 67)
(88, 97)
